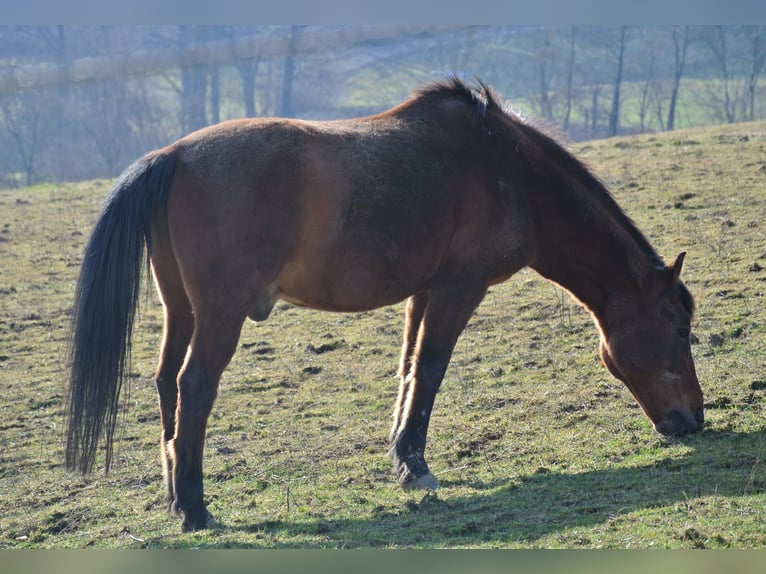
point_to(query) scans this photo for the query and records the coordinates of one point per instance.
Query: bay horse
(432, 201)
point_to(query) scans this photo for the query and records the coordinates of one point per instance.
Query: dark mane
(530, 134)
(481, 97)
(448, 86)
(599, 192)
(584, 182)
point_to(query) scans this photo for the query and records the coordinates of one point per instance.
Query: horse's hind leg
(179, 324)
(446, 314)
(213, 344)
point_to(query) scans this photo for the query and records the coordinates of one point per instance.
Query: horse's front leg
(443, 318)
(413, 316)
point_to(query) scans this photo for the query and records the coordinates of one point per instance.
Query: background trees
(83, 101)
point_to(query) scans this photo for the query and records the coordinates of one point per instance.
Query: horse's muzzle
(681, 422)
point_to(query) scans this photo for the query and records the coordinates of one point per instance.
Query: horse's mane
(480, 97)
(449, 85)
(587, 185)
(531, 134)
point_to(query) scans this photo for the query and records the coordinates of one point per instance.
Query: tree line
(78, 102)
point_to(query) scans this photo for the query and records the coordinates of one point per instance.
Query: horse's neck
(588, 257)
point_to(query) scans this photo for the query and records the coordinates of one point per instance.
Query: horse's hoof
(413, 474)
(198, 521)
(425, 482)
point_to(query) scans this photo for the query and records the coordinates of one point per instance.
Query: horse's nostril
(685, 423)
(680, 422)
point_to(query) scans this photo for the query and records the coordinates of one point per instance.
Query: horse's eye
(683, 332)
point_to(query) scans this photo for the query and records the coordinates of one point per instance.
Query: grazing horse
(432, 201)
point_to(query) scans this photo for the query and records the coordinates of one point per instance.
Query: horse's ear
(675, 271)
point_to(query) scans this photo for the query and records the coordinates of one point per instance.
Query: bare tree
(570, 76)
(657, 99)
(21, 117)
(287, 81)
(595, 71)
(193, 81)
(648, 85)
(718, 41)
(108, 112)
(755, 37)
(247, 67)
(594, 111)
(31, 119)
(680, 44)
(614, 115)
(452, 53)
(543, 59)
(214, 74)
(248, 70)
(738, 54)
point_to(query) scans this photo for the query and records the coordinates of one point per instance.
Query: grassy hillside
(534, 444)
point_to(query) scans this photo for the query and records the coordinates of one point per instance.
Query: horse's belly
(351, 282)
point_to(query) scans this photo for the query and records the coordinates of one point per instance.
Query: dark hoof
(194, 519)
(203, 521)
(413, 474)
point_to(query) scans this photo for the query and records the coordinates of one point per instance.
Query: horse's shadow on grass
(524, 509)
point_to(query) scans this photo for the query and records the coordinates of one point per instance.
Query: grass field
(534, 444)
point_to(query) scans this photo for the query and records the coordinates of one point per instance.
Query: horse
(432, 201)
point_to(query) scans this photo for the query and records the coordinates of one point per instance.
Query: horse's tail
(105, 305)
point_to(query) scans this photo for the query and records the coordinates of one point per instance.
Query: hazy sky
(406, 12)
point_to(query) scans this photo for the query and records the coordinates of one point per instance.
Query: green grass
(534, 444)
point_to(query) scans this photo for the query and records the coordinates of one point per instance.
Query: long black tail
(105, 305)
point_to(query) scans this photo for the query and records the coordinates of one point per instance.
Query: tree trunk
(286, 109)
(22, 121)
(248, 70)
(596, 90)
(543, 56)
(570, 75)
(680, 59)
(758, 48)
(719, 46)
(614, 116)
(193, 82)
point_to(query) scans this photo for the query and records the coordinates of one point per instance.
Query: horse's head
(645, 343)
